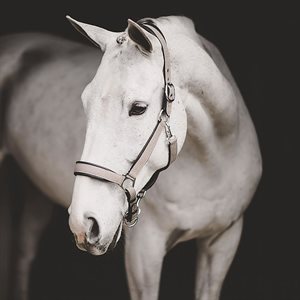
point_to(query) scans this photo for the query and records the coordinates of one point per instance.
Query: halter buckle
(170, 92)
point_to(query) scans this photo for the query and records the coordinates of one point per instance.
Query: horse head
(123, 106)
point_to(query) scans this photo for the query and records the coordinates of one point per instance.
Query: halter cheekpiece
(127, 181)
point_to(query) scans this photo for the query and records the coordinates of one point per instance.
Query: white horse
(202, 195)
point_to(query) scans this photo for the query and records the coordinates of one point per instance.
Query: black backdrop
(260, 43)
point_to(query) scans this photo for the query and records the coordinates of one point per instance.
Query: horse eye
(137, 108)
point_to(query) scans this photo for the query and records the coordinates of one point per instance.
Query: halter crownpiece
(127, 181)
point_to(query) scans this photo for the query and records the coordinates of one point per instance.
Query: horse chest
(191, 205)
(198, 198)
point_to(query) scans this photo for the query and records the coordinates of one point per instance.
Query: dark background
(260, 43)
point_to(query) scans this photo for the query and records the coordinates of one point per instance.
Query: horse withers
(162, 102)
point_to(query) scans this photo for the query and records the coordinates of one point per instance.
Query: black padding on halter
(91, 175)
(129, 201)
(152, 180)
(94, 165)
(154, 177)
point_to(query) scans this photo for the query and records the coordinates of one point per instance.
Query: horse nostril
(94, 231)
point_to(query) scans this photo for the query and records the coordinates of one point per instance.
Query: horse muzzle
(91, 241)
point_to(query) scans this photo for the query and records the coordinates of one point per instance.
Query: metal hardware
(163, 116)
(136, 213)
(170, 92)
(168, 131)
(128, 182)
(130, 224)
(172, 139)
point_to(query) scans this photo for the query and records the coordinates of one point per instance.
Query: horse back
(23, 54)
(41, 80)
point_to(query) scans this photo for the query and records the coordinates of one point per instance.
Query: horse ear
(98, 36)
(139, 36)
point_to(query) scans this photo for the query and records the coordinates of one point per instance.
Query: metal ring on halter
(128, 181)
(130, 223)
(128, 187)
(136, 213)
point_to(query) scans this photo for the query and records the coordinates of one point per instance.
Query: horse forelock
(126, 58)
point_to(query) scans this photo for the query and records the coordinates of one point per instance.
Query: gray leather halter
(127, 181)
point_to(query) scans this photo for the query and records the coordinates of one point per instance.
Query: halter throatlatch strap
(127, 181)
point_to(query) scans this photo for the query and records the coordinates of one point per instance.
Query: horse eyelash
(142, 105)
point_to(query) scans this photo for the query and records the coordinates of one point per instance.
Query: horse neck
(211, 100)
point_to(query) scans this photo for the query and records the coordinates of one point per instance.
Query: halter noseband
(127, 181)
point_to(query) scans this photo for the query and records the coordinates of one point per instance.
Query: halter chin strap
(127, 181)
